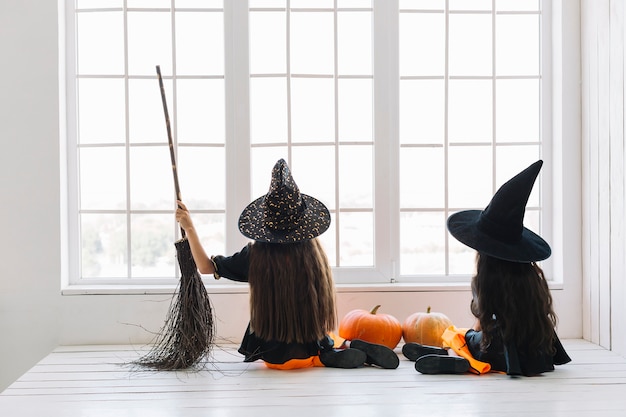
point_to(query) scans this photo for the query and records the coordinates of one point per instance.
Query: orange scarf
(455, 339)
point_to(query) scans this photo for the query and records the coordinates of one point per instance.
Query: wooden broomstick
(189, 330)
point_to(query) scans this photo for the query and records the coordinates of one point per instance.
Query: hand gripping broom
(189, 330)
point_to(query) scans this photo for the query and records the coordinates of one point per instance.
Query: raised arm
(203, 262)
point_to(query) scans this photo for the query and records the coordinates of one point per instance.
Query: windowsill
(243, 288)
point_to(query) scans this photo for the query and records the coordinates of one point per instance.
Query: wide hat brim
(312, 222)
(530, 247)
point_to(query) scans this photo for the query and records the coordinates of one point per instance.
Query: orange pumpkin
(383, 329)
(425, 328)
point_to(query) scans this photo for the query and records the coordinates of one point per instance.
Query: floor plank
(99, 381)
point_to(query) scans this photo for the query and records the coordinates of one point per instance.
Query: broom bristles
(189, 330)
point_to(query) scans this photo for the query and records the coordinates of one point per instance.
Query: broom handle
(169, 138)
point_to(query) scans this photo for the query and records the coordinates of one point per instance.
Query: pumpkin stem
(428, 310)
(375, 309)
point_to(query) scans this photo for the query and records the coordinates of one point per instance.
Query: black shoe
(414, 351)
(378, 355)
(343, 358)
(441, 364)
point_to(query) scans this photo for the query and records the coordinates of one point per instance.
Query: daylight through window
(395, 114)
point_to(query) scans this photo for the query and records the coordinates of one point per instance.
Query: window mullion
(337, 121)
(237, 112)
(127, 143)
(386, 138)
(71, 94)
(446, 141)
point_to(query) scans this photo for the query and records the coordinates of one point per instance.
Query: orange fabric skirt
(309, 362)
(296, 363)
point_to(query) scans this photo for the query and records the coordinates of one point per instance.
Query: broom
(189, 330)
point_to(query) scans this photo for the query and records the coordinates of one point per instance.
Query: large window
(393, 113)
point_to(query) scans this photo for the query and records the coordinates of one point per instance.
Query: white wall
(604, 160)
(29, 184)
(35, 317)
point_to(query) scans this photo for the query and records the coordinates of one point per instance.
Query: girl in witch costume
(292, 293)
(515, 324)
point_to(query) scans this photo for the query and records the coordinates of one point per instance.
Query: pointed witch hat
(284, 214)
(498, 230)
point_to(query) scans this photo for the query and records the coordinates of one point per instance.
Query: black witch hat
(284, 214)
(498, 230)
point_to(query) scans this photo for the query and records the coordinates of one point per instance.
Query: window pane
(515, 54)
(199, 43)
(152, 245)
(461, 258)
(422, 242)
(102, 178)
(354, 39)
(310, 4)
(104, 252)
(354, 3)
(516, 5)
(469, 4)
(101, 108)
(422, 111)
(356, 184)
(268, 110)
(312, 169)
(200, 111)
(100, 43)
(329, 242)
(268, 42)
(422, 44)
(356, 238)
(267, 3)
(470, 176)
(312, 110)
(422, 177)
(517, 116)
(211, 230)
(470, 111)
(262, 161)
(147, 121)
(312, 43)
(149, 42)
(532, 220)
(149, 3)
(202, 177)
(470, 44)
(510, 160)
(199, 4)
(423, 4)
(98, 4)
(355, 110)
(151, 179)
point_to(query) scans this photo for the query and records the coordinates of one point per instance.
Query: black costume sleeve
(234, 267)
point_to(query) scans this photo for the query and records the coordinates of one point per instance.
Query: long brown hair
(517, 296)
(292, 292)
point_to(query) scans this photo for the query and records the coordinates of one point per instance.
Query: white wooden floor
(93, 381)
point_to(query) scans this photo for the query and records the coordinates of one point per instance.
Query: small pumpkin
(383, 329)
(425, 328)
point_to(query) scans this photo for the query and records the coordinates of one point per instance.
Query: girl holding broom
(292, 293)
(515, 321)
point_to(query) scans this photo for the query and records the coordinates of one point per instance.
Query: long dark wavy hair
(292, 292)
(517, 296)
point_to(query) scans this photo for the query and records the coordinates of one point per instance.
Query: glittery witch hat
(284, 215)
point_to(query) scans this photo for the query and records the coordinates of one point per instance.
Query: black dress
(235, 268)
(508, 358)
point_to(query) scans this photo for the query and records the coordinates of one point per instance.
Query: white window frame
(386, 204)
